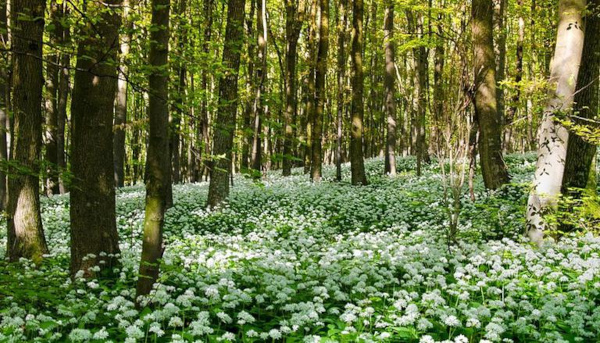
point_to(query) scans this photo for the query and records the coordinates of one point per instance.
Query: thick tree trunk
(93, 222)
(321, 93)
(493, 168)
(553, 136)
(579, 171)
(120, 121)
(390, 89)
(228, 102)
(357, 163)
(294, 18)
(158, 173)
(500, 52)
(341, 86)
(25, 233)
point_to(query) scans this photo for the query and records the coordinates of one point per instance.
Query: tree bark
(120, 121)
(553, 136)
(341, 86)
(320, 94)
(63, 95)
(4, 97)
(25, 233)
(294, 18)
(357, 165)
(261, 73)
(218, 189)
(500, 52)
(512, 110)
(158, 173)
(493, 168)
(581, 152)
(93, 221)
(310, 84)
(390, 88)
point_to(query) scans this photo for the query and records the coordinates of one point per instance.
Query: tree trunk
(93, 222)
(25, 233)
(310, 84)
(158, 173)
(228, 102)
(390, 88)
(63, 95)
(320, 94)
(261, 73)
(4, 96)
(493, 168)
(512, 111)
(438, 85)
(341, 86)
(120, 121)
(500, 52)
(51, 101)
(357, 163)
(553, 136)
(294, 18)
(581, 152)
(202, 128)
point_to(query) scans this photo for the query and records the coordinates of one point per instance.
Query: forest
(299, 171)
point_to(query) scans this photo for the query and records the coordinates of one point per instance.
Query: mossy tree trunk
(25, 232)
(158, 171)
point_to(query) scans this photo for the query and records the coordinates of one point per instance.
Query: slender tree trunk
(493, 168)
(500, 52)
(357, 165)
(341, 86)
(512, 111)
(64, 90)
(390, 89)
(178, 111)
(310, 84)
(553, 136)
(228, 102)
(25, 232)
(4, 96)
(438, 85)
(320, 94)
(293, 26)
(120, 120)
(261, 73)
(93, 221)
(158, 173)
(202, 124)
(51, 101)
(579, 171)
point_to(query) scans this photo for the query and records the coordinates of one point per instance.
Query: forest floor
(287, 260)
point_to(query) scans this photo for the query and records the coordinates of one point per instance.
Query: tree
(25, 232)
(51, 101)
(261, 75)
(158, 167)
(4, 97)
(579, 164)
(341, 87)
(120, 120)
(320, 94)
(63, 91)
(294, 16)
(389, 84)
(357, 163)
(93, 221)
(553, 136)
(493, 168)
(218, 189)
